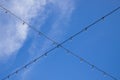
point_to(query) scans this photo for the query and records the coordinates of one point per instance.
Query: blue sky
(59, 19)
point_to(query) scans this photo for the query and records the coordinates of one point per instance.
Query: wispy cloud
(13, 34)
(63, 10)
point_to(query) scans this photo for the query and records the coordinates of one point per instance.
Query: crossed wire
(60, 45)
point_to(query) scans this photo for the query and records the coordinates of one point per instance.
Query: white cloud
(12, 32)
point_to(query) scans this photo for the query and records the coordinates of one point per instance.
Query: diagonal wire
(60, 45)
(24, 22)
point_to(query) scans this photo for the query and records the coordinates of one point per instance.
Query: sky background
(59, 19)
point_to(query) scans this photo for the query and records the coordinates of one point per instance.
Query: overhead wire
(60, 45)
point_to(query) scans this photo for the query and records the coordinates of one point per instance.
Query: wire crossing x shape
(58, 45)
